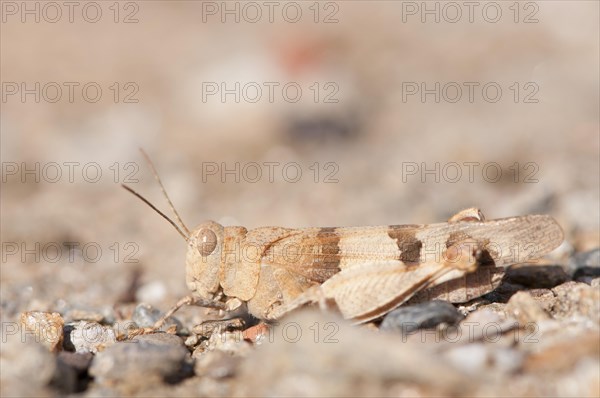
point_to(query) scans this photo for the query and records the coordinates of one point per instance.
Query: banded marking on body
(409, 246)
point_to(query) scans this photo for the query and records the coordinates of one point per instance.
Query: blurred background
(287, 113)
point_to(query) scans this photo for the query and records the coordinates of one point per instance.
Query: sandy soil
(349, 116)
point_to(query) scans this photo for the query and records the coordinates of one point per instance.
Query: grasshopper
(363, 272)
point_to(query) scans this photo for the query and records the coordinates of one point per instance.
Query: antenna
(162, 188)
(156, 210)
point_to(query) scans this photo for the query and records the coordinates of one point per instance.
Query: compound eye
(207, 241)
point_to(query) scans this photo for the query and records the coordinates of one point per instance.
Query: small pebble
(91, 337)
(46, 326)
(191, 341)
(479, 358)
(216, 364)
(508, 359)
(142, 361)
(486, 326)
(27, 367)
(146, 316)
(494, 307)
(525, 309)
(544, 297)
(471, 358)
(576, 298)
(421, 316)
(230, 342)
(84, 315)
(564, 352)
(256, 334)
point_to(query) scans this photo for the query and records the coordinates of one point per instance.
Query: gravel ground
(83, 260)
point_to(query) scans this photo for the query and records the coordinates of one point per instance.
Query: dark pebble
(537, 276)
(503, 293)
(421, 316)
(78, 361)
(585, 265)
(72, 372)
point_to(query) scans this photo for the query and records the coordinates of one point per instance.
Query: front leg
(188, 300)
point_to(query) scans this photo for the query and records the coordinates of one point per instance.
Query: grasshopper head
(203, 261)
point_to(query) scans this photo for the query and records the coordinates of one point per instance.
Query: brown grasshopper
(364, 272)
